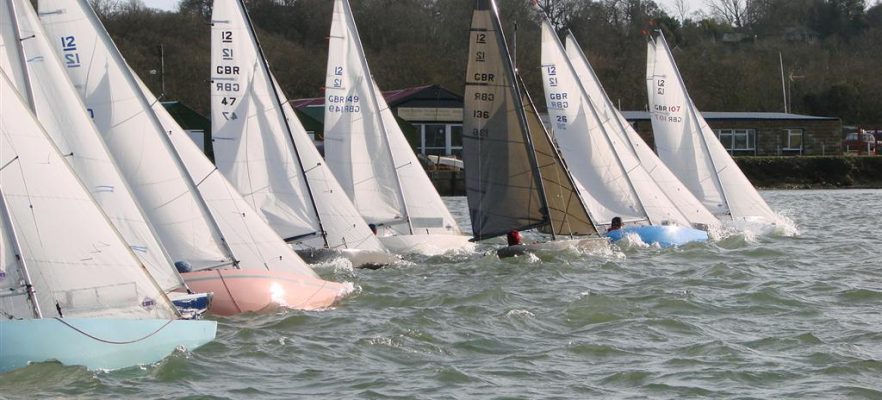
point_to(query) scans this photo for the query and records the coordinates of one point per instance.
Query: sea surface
(793, 314)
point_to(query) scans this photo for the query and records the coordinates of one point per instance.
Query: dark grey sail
(505, 175)
(502, 185)
(566, 209)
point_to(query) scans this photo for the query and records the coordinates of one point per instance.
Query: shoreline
(765, 172)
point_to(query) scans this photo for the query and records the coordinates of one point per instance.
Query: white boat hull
(98, 343)
(429, 245)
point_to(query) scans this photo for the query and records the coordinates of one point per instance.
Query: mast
(373, 96)
(265, 64)
(695, 118)
(32, 296)
(522, 118)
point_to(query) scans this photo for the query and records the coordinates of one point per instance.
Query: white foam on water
(337, 265)
(521, 314)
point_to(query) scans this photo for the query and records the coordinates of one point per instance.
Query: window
(198, 137)
(434, 139)
(440, 139)
(738, 140)
(455, 147)
(794, 139)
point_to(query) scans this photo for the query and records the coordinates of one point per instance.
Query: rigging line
(26, 188)
(89, 335)
(565, 211)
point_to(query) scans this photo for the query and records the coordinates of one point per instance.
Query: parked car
(860, 143)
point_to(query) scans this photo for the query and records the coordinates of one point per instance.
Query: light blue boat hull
(664, 235)
(98, 343)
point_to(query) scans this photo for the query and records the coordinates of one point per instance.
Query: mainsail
(254, 243)
(689, 147)
(612, 179)
(64, 117)
(503, 145)
(264, 150)
(678, 194)
(134, 136)
(77, 264)
(365, 147)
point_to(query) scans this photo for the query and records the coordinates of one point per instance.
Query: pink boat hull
(237, 291)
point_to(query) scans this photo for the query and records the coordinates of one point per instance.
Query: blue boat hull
(98, 343)
(664, 235)
(191, 305)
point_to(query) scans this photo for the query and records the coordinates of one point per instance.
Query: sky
(668, 5)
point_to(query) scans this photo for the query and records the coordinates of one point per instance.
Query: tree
(734, 12)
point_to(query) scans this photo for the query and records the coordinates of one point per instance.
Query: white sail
(678, 194)
(265, 152)
(133, 135)
(689, 147)
(611, 178)
(365, 147)
(77, 262)
(254, 243)
(63, 115)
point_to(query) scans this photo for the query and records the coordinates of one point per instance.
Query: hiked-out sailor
(514, 238)
(615, 224)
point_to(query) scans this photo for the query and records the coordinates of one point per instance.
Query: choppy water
(745, 317)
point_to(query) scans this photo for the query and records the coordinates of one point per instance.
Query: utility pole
(783, 85)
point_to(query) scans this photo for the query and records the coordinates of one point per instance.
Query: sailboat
(691, 208)
(73, 290)
(606, 170)
(515, 176)
(261, 147)
(688, 146)
(250, 268)
(26, 53)
(370, 156)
